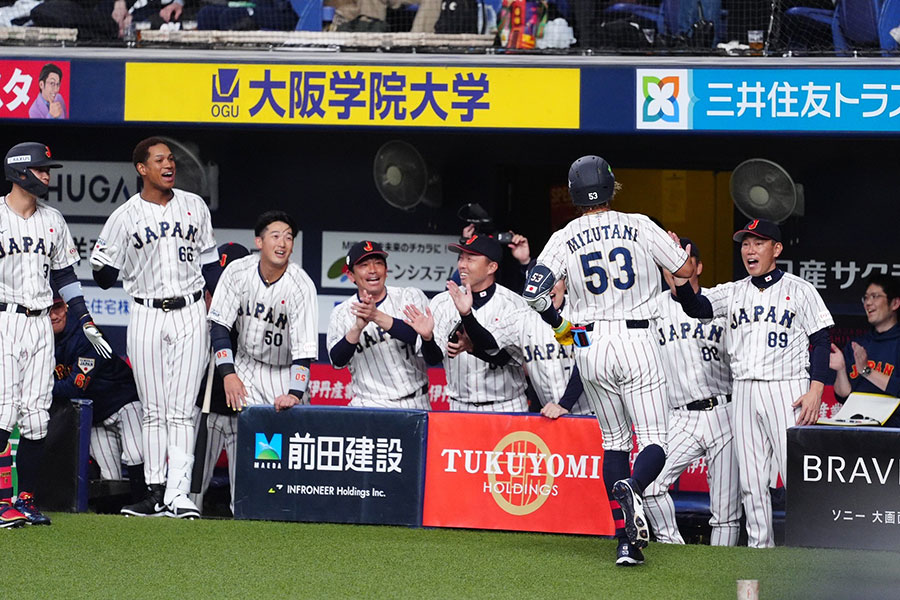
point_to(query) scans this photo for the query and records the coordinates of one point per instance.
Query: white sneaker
(181, 507)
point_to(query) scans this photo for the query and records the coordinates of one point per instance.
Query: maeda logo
(662, 99)
(267, 449)
(226, 88)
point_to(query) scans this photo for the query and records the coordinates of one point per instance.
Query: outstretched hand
(462, 297)
(97, 340)
(422, 323)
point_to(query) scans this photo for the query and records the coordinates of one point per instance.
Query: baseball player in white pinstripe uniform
(550, 365)
(610, 262)
(222, 420)
(489, 377)
(35, 247)
(366, 333)
(700, 422)
(160, 240)
(773, 318)
(272, 302)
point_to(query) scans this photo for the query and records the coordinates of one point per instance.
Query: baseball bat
(202, 430)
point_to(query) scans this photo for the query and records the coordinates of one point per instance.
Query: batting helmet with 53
(22, 156)
(591, 181)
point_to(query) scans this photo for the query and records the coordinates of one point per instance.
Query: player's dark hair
(890, 285)
(271, 216)
(142, 150)
(47, 69)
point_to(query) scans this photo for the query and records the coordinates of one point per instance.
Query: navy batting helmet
(24, 155)
(591, 181)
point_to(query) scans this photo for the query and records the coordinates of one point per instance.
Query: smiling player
(366, 333)
(272, 302)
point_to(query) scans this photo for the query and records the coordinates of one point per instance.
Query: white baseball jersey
(471, 380)
(159, 251)
(697, 368)
(29, 249)
(382, 368)
(770, 328)
(769, 346)
(694, 352)
(276, 323)
(613, 256)
(157, 248)
(548, 363)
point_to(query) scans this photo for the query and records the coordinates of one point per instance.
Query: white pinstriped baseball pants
(169, 353)
(624, 381)
(26, 374)
(118, 440)
(692, 434)
(222, 433)
(263, 382)
(763, 413)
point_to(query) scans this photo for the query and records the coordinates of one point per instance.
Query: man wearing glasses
(868, 363)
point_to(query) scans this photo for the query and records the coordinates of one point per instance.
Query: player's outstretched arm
(70, 289)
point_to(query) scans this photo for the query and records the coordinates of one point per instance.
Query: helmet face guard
(19, 161)
(591, 181)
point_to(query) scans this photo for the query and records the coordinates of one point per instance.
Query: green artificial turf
(105, 556)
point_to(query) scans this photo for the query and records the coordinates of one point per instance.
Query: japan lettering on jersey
(382, 368)
(157, 248)
(29, 249)
(470, 379)
(769, 328)
(697, 364)
(548, 363)
(276, 323)
(609, 260)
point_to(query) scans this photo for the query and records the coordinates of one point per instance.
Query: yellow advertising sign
(458, 96)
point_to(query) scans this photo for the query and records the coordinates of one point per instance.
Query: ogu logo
(226, 88)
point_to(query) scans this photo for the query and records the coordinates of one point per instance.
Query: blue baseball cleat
(25, 505)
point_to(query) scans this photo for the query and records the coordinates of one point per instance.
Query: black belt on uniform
(168, 304)
(706, 403)
(411, 395)
(629, 323)
(24, 310)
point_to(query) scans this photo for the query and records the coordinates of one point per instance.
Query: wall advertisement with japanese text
(330, 464)
(24, 95)
(457, 96)
(414, 259)
(515, 472)
(843, 491)
(840, 100)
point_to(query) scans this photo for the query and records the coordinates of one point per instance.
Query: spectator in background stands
(869, 363)
(108, 382)
(277, 15)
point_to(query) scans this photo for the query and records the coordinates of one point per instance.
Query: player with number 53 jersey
(610, 262)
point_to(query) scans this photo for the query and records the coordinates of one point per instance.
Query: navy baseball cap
(695, 252)
(230, 252)
(762, 228)
(364, 249)
(480, 244)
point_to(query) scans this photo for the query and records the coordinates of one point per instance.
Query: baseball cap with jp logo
(762, 228)
(480, 244)
(364, 249)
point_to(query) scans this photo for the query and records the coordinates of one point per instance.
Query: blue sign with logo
(331, 464)
(840, 100)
